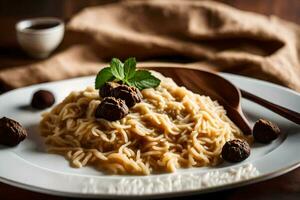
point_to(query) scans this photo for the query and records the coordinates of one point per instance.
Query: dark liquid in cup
(43, 26)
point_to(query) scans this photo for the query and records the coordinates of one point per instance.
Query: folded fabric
(206, 34)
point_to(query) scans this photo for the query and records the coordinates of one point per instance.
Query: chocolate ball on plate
(11, 132)
(265, 131)
(42, 99)
(235, 151)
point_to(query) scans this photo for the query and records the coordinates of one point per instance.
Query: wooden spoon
(222, 90)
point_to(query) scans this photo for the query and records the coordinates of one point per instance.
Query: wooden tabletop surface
(283, 187)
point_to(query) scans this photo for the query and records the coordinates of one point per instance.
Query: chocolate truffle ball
(42, 99)
(111, 109)
(130, 95)
(235, 151)
(265, 131)
(107, 88)
(11, 132)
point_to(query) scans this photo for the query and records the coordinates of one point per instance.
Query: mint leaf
(140, 75)
(143, 79)
(117, 68)
(103, 76)
(127, 74)
(129, 68)
(150, 82)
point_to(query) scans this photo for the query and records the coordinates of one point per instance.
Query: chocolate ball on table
(42, 99)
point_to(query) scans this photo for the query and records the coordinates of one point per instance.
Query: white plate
(29, 166)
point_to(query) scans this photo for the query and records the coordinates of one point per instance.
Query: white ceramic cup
(39, 43)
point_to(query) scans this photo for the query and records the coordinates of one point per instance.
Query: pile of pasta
(171, 128)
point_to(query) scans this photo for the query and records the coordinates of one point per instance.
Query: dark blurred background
(13, 10)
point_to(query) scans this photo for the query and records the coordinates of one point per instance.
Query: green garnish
(103, 76)
(117, 69)
(127, 73)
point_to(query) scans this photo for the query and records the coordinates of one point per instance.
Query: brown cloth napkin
(209, 34)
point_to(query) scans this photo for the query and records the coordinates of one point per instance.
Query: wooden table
(284, 187)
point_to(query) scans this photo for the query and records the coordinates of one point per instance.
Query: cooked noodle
(171, 128)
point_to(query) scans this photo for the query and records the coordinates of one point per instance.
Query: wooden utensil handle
(288, 114)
